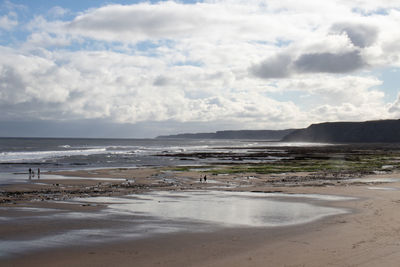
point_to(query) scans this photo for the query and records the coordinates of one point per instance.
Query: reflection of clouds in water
(140, 216)
(68, 238)
(375, 180)
(226, 208)
(383, 188)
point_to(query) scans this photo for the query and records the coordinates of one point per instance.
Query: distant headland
(379, 131)
(272, 135)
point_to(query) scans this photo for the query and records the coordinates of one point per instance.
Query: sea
(20, 154)
(17, 155)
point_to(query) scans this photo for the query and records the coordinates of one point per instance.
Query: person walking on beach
(30, 173)
(201, 179)
(38, 173)
(205, 178)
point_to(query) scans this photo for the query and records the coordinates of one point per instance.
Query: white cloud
(348, 112)
(216, 21)
(142, 21)
(217, 61)
(71, 85)
(44, 39)
(58, 12)
(394, 108)
(9, 21)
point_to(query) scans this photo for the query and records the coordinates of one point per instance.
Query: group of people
(32, 173)
(203, 179)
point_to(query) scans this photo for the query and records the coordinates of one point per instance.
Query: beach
(366, 234)
(198, 133)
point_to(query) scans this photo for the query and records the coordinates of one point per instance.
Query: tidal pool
(224, 208)
(383, 188)
(144, 215)
(19, 178)
(376, 180)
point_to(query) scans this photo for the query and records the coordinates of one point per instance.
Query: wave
(31, 156)
(131, 150)
(40, 155)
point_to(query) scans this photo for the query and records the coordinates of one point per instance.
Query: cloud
(118, 87)
(346, 112)
(275, 67)
(283, 65)
(394, 108)
(140, 21)
(12, 86)
(58, 12)
(9, 21)
(212, 21)
(161, 81)
(115, 87)
(329, 62)
(8, 5)
(333, 90)
(44, 39)
(361, 35)
(216, 62)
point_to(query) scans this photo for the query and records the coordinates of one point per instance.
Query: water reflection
(224, 208)
(141, 216)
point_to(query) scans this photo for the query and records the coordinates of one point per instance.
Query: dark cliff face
(383, 131)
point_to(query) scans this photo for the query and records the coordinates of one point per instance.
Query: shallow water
(12, 178)
(145, 215)
(227, 208)
(376, 180)
(383, 188)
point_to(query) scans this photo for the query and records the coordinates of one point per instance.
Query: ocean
(17, 155)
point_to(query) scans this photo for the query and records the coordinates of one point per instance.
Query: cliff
(382, 131)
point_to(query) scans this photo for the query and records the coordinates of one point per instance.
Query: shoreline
(63, 185)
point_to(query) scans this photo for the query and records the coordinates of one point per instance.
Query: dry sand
(368, 236)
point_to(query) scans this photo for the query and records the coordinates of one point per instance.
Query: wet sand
(368, 236)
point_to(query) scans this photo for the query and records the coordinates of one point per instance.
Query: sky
(136, 69)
